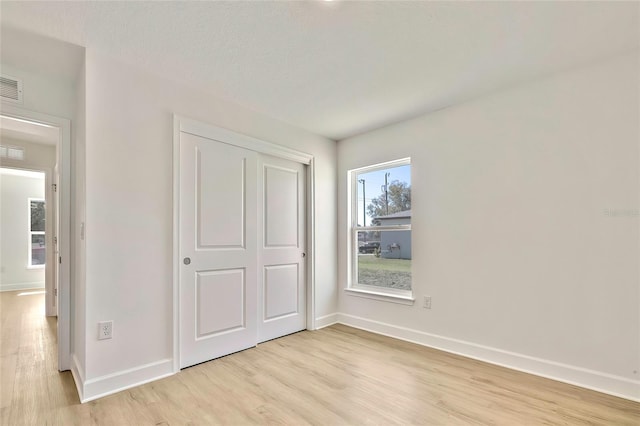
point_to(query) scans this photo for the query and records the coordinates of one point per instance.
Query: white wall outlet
(105, 330)
(427, 302)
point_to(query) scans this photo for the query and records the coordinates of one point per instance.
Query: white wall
(78, 247)
(43, 93)
(511, 236)
(15, 192)
(129, 140)
(49, 70)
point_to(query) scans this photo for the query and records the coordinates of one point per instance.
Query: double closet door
(242, 248)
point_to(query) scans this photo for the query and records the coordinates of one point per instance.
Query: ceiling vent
(11, 152)
(10, 89)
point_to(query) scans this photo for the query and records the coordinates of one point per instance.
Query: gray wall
(395, 244)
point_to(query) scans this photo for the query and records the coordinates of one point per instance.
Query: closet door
(241, 248)
(281, 289)
(218, 249)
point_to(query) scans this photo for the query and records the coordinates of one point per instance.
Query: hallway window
(37, 249)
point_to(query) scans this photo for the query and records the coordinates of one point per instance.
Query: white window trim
(353, 287)
(403, 297)
(31, 233)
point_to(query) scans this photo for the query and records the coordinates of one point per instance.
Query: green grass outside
(390, 273)
(369, 261)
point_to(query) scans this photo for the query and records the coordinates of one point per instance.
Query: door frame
(63, 158)
(219, 134)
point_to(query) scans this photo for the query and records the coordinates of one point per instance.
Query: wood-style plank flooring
(335, 376)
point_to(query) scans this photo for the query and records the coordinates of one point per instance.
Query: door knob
(187, 260)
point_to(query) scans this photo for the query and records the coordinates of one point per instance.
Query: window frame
(31, 233)
(353, 286)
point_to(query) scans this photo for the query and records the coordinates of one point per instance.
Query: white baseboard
(590, 379)
(98, 387)
(22, 286)
(111, 383)
(326, 321)
(78, 376)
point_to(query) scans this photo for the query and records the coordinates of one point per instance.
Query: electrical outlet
(427, 302)
(105, 330)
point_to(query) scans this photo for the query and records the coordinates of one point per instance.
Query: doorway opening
(26, 262)
(38, 145)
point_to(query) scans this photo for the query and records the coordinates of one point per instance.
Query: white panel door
(282, 288)
(218, 249)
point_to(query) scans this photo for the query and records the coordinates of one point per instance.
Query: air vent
(10, 89)
(11, 152)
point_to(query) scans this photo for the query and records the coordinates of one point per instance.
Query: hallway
(31, 388)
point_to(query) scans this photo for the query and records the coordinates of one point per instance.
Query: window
(37, 249)
(381, 229)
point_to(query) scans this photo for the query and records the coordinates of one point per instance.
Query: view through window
(381, 226)
(37, 254)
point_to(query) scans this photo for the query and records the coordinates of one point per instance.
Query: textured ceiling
(341, 68)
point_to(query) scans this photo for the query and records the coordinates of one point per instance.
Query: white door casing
(56, 237)
(218, 210)
(282, 289)
(51, 232)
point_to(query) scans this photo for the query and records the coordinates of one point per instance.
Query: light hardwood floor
(338, 375)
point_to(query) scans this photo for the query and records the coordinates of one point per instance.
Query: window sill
(403, 298)
(36, 267)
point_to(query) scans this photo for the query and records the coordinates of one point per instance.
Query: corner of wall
(112, 383)
(590, 379)
(77, 371)
(326, 320)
